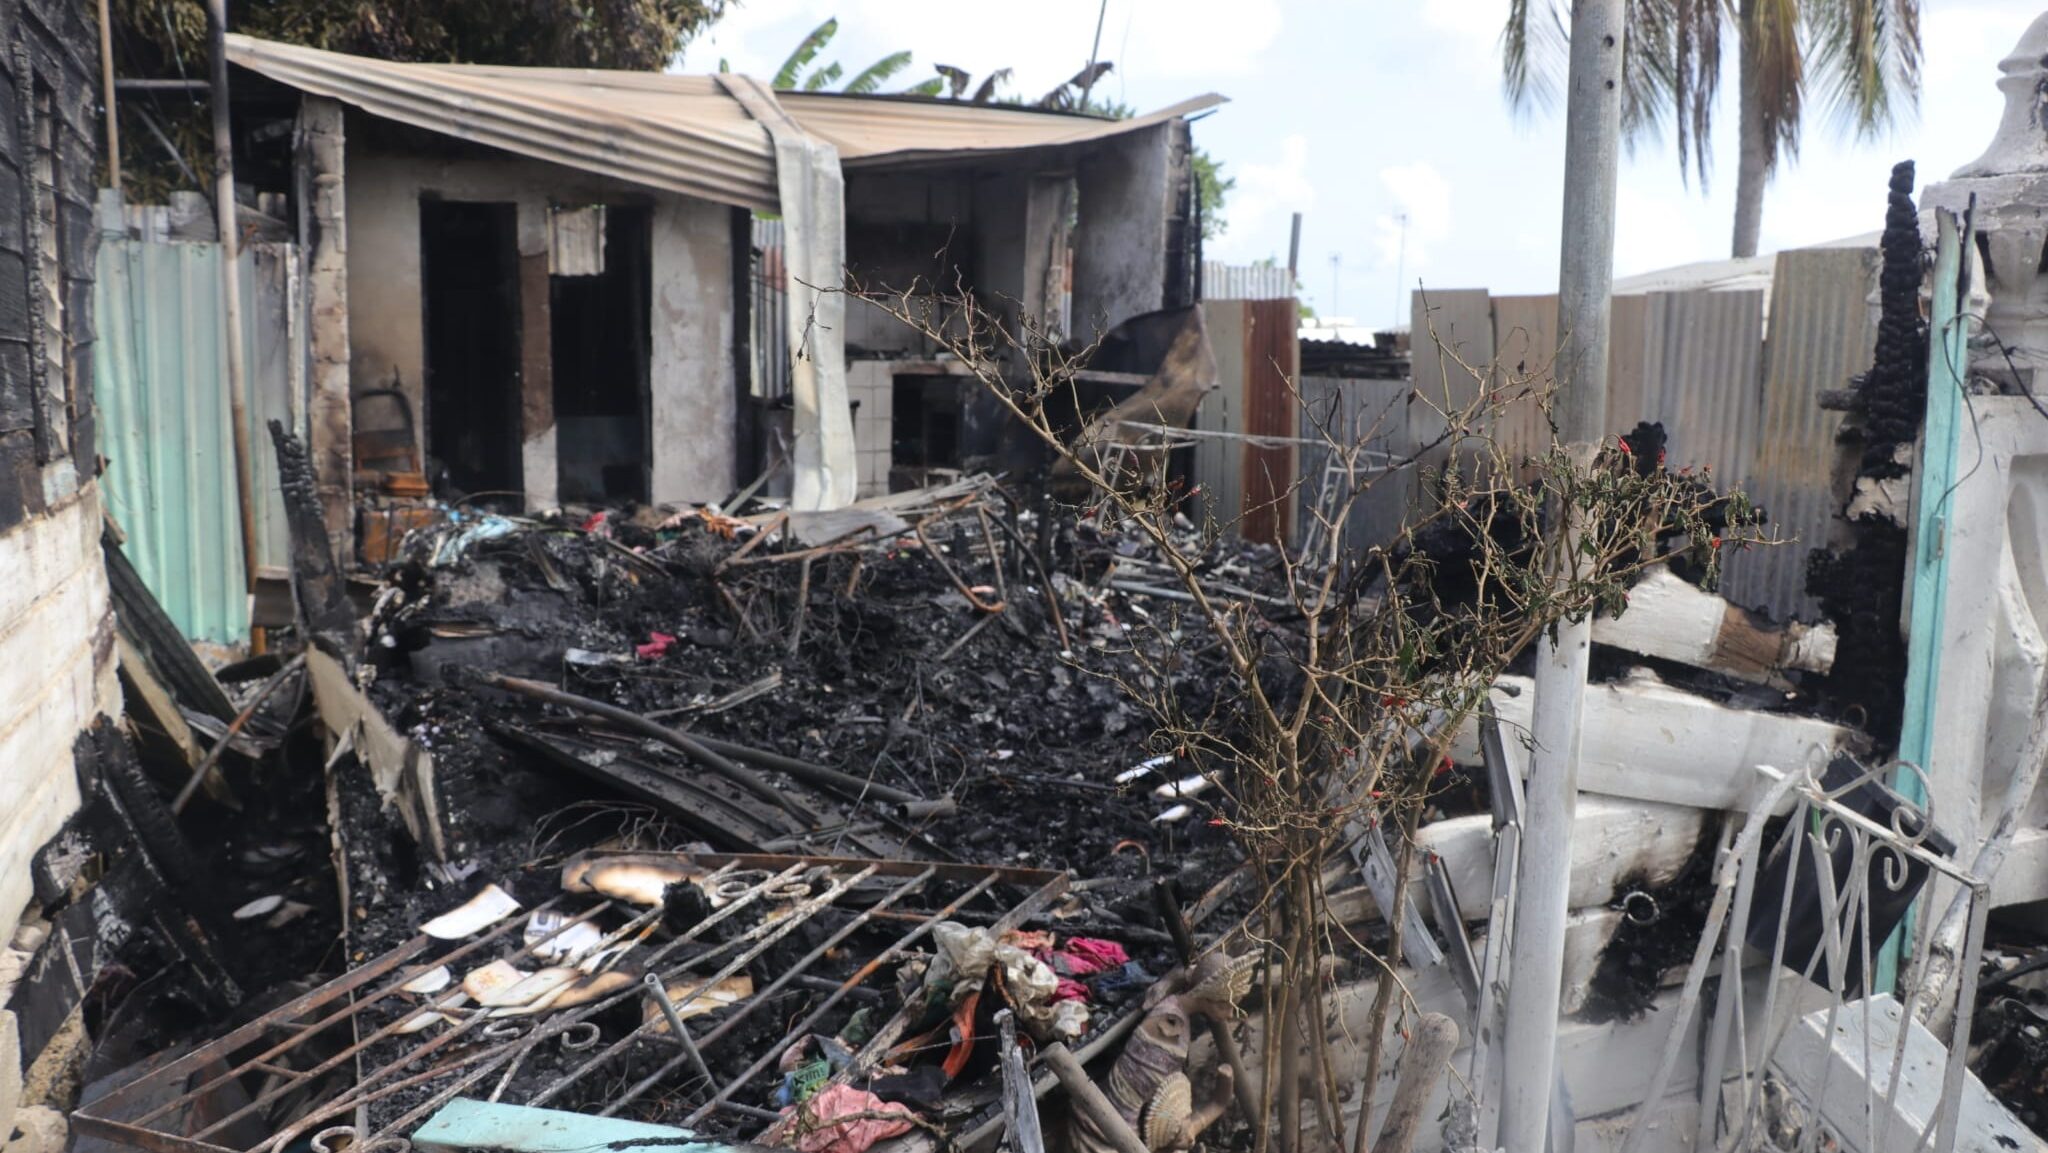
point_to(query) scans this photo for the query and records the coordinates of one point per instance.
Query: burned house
(537, 287)
(56, 635)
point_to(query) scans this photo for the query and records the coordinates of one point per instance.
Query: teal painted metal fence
(1947, 367)
(160, 381)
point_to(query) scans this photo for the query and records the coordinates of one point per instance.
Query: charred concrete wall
(56, 636)
(691, 308)
(1131, 194)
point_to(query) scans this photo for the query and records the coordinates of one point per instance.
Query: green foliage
(806, 51)
(868, 81)
(1861, 56)
(1212, 188)
(870, 78)
(168, 37)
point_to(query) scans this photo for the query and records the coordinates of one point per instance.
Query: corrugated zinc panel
(1369, 413)
(1219, 468)
(1704, 380)
(1821, 333)
(1222, 281)
(161, 386)
(1271, 365)
(1525, 363)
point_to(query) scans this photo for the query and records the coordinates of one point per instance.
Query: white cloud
(1256, 211)
(1420, 216)
(1477, 23)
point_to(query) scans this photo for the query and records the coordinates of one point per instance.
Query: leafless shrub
(1343, 701)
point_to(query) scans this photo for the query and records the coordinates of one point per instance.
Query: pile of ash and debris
(828, 793)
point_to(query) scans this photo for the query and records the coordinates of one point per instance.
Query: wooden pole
(1422, 1066)
(107, 96)
(1089, 1099)
(231, 285)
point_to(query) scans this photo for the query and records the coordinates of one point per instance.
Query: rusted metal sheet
(663, 130)
(1272, 359)
(1704, 378)
(1821, 333)
(677, 133)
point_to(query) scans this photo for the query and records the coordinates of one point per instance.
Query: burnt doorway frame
(621, 298)
(498, 477)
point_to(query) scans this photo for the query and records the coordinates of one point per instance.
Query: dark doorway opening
(469, 273)
(599, 324)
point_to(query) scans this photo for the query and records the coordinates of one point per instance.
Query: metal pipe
(231, 285)
(235, 726)
(107, 91)
(1585, 285)
(134, 85)
(659, 992)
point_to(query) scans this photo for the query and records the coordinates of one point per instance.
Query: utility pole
(1400, 265)
(1294, 250)
(231, 282)
(1336, 266)
(1585, 286)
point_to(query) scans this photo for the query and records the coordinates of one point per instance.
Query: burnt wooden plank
(158, 638)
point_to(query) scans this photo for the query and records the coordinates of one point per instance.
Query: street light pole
(1584, 291)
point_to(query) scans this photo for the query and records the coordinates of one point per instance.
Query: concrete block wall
(57, 672)
(871, 388)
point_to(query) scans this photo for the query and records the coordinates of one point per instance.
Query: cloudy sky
(1360, 114)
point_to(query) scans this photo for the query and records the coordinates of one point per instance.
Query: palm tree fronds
(1866, 61)
(870, 78)
(989, 84)
(1535, 52)
(807, 51)
(821, 79)
(1770, 39)
(957, 79)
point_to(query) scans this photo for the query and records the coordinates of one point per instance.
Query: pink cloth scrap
(843, 1119)
(1070, 990)
(1086, 956)
(657, 644)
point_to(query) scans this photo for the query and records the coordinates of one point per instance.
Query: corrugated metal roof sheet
(664, 130)
(871, 131)
(679, 133)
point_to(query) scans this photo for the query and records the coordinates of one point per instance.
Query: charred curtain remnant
(1861, 587)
